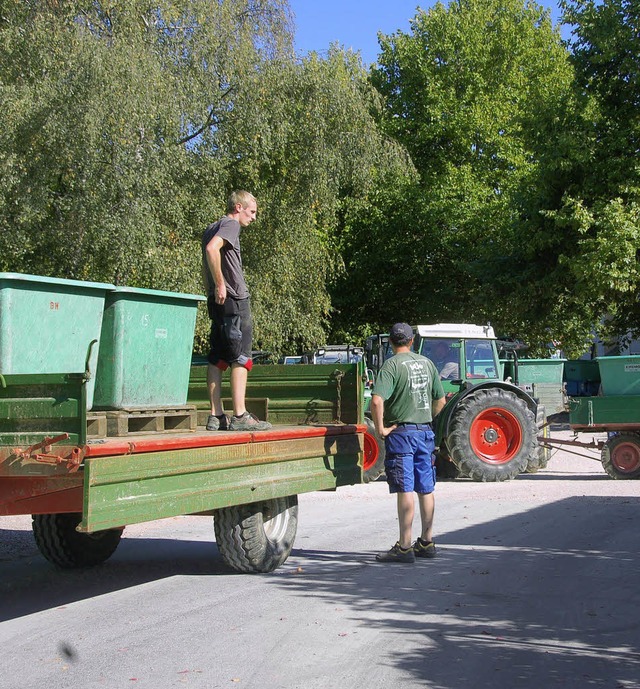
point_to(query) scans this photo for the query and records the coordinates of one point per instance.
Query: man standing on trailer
(407, 395)
(230, 312)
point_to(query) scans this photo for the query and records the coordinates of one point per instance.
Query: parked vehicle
(607, 400)
(114, 434)
(289, 360)
(489, 427)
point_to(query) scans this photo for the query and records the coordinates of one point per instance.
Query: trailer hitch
(73, 460)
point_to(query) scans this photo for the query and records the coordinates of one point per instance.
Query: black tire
(374, 454)
(621, 456)
(540, 459)
(257, 537)
(445, 468)
(60, 543)
(492, 435)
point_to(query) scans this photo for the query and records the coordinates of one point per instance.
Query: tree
(580, 213)
(463, 90)
(126, 125)
(304, 134)
(110, 109)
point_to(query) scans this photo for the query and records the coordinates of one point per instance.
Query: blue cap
(401, 334)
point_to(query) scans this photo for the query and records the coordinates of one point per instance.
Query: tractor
(489, 428)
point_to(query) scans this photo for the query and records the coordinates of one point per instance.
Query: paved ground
(536, 585)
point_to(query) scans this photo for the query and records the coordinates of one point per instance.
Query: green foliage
(126, 125)
(484, 170)
(303, 136)
(466, 92)
(579, 224)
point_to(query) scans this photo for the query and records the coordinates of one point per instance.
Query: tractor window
(445, 354)
(480, 359)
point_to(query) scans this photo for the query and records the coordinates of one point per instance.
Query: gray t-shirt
(229, 230)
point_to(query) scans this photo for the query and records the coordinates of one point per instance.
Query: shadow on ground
(550, 600)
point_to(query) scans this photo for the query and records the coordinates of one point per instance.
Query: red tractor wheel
(374, 453)
(495, 435)
(492, 435)
(621, 456)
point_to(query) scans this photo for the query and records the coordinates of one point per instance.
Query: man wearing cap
(407, 395)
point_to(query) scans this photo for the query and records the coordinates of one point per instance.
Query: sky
(355, 23)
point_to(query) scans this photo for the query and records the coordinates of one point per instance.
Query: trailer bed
(119, 481)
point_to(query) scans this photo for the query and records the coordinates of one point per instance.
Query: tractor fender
(443, 420)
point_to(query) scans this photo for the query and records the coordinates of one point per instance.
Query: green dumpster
(47, 325)
(145, 349)
(582, 377)
(619, 375)
(540, 370)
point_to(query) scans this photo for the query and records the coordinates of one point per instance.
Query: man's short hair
(241, 197)
(401, 334)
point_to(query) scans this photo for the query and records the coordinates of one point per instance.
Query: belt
(418, 426)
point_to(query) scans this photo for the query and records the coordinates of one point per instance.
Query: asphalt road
(536, 585)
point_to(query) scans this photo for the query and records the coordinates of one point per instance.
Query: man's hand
(377, 416)
(384, 432)
(221, 293)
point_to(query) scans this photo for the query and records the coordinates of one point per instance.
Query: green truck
(102, 425)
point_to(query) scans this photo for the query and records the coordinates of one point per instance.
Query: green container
(47, 325)
(582, 377)
(145, 349)
(579, 370)
(540, 370)
(619, 375)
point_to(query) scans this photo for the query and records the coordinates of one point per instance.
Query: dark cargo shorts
(231, 333)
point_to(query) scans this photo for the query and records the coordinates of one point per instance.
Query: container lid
(23, 277)
(139, 291)
(617, 357)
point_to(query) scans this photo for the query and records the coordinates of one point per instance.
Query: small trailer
(102, 415)
(83, 487)
(604, 397)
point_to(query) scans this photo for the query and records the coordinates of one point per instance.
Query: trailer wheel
(59, 542)
(257, 537)
(541, 458)
(374, 453)
(621, 456)
(493, 435)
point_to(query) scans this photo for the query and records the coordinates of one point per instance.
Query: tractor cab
(462, 353)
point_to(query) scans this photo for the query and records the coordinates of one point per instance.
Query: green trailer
(614, 410)
(83, 487)
(102, 425)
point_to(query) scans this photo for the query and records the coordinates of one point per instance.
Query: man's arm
(214, 262)
(377, 415)
(437, 406)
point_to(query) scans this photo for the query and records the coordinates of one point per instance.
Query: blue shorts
(408, 462)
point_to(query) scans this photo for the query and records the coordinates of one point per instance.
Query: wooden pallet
(123, 422)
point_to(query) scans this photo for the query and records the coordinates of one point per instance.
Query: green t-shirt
(408, 383)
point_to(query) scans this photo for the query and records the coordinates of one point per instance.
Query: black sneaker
(397, 554)
(248, 422)
(424, 549)
(218, 423)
